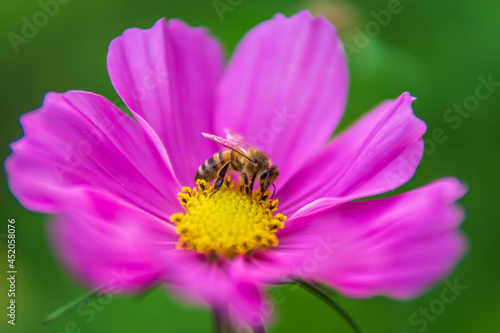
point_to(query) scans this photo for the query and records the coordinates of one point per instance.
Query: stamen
(226, 222)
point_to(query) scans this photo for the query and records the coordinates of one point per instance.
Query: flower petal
(221, 285)
(286, 86)
(80, 139)
(377, 154)
(108, 243)
(396, 246)
(167, 75)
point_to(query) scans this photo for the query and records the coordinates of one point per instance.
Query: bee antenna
(272, 196)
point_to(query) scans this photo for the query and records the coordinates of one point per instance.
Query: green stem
(73, 305)
(221, 325)
(259, 329)
(326, 289)
(218, 322)
(313, 289)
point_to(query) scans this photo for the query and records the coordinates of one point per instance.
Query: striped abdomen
(209, 170)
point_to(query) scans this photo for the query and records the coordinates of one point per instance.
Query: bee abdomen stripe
(207, 170)
(210, 164)
(199, 173)
(221, 158)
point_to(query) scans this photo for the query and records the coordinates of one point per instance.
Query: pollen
(226, 222)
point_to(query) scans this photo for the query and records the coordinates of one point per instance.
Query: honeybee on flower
(127, 204)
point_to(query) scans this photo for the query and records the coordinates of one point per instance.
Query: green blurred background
(437, 50)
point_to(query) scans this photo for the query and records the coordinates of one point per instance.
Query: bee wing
(236, 138)
(228, 144)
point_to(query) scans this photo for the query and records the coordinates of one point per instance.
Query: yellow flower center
(226, 222)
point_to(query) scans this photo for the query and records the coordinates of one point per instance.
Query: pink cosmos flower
(112, 182)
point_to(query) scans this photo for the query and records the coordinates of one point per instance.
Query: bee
(252, 163)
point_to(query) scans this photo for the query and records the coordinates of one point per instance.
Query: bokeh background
(437, 50)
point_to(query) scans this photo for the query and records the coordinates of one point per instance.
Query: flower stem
(221, 325)
(74, 304)
(259, 329)
(218, 322)
(313, 289)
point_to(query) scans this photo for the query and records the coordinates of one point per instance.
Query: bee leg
(263, 195)
(252, 181)
(246, 183)
(263, 192)
(220, 177)
(274, 191)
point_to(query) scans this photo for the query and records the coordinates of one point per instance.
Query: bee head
(268, 176)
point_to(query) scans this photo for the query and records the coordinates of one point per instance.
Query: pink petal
(396, 246)
(106, 242)
(377, 154)
(285, 88)
(79, 139)
(167, 75)
(223, 287)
